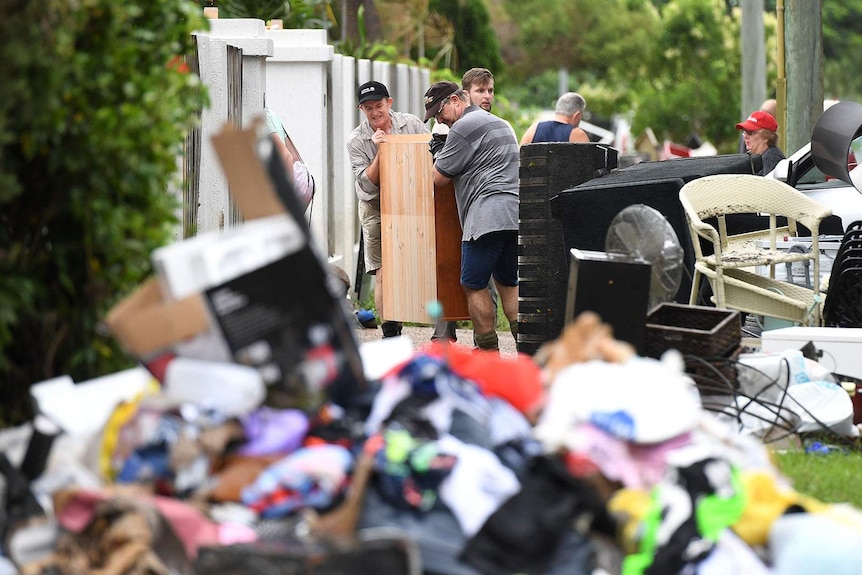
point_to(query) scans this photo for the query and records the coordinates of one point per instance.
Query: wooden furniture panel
(421, 234)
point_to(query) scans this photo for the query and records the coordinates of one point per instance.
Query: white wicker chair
(732, 286)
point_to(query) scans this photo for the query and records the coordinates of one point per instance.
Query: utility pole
(753, 57)
(803, 49)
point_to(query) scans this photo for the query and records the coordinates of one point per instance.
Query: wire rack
(769, 413)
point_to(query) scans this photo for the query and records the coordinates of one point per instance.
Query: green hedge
(95, 104)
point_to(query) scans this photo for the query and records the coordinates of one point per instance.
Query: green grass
(828, 477)
(502, 322)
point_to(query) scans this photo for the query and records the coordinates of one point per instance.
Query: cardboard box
(275, 310)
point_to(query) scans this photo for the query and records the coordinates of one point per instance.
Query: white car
(825, 169)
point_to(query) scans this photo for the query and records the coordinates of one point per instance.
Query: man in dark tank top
(568, 113)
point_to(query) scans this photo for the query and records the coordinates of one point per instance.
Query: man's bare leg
(509, 300)
(481, 310)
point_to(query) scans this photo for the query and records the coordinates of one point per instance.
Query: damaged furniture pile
(256, 437)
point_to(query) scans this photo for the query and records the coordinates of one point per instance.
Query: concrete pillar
(382, 72)
(344, 219)
(363, 72)
(418, 88)
(400, 89)
(214, 207)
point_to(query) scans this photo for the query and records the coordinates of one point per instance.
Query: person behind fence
(303, 182)
(482, 158)
(759, 131)
(568, 113)
(362, 148)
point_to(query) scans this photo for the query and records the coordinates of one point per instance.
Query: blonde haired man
(362, 148)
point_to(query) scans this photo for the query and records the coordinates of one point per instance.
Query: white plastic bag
(823, 405)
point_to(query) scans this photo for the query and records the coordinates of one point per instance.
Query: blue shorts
(496, 254)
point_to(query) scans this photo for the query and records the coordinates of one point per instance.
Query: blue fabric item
(441, 541)
(366, 318)
(468, 430)
(574, 556)
(422, 373)
(811, 544)
(146, 464)
(436, 532)
(552, 131)
(430, 378)
(506, 423)
(312, 477)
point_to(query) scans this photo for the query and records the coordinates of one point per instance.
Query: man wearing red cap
(760, 137)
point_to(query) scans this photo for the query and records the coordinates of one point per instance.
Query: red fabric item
(517, 379)
(579, 465)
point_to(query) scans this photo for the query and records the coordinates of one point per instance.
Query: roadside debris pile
(475, 463)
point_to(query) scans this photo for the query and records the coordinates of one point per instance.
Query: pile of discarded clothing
(583, 459)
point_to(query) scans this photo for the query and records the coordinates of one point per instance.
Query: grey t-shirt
(482, 156)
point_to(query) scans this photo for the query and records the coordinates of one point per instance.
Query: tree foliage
(474, 40)
(293, 13)
(842, 43)
(454, 34)
(692, 79)
(671, 65)
(361, 47)
(95, 103)
(594, 37)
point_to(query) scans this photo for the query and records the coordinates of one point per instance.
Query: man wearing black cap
(362, 147)
(481, 156)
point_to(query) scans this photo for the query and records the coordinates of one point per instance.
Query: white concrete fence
(298, 75)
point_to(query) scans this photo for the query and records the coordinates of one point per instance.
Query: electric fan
(642, 231)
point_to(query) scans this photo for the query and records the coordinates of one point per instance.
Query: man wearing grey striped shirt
(481, 156)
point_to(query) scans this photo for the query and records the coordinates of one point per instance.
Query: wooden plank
(407, 220)
(448, 231)
(421, 249)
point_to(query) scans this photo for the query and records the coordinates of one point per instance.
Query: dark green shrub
(95, 104)
(475, 38)
(294, 13)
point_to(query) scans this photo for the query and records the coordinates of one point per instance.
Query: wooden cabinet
(421, 234)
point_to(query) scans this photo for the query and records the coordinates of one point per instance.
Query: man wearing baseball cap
(362, 148)
(481, 157)
(478, 84)
(760, 137)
